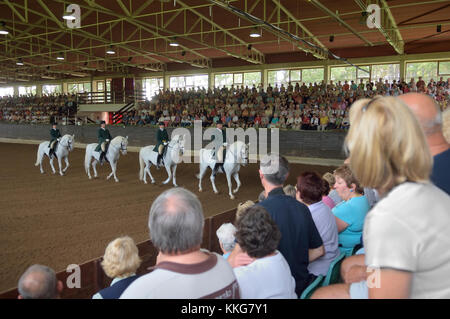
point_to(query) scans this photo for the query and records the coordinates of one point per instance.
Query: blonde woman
(120, 262)
(406, 234)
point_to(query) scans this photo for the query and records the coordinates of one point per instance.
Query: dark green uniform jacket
(103, 135)
(55, 134)
(161, 137)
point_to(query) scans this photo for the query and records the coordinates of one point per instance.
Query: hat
(102, 122)
(219, 122)
(54, 123)
(161, 123)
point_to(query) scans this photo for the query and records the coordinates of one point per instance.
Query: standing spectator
(300, 241)
(268, 276)
(182, 270)
(225, 234)
(351, 212)
(120, 262)
(39, 282)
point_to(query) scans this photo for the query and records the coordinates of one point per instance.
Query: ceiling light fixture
(60, 57)
(19, 62)
(3, 29)
(255, 33)
(174, 43)
(110, 50)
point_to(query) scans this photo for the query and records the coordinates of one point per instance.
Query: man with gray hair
(300, 240)
(39, 282)
(182, 270)
(430, 118)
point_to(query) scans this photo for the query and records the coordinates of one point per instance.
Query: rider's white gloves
(107, 140)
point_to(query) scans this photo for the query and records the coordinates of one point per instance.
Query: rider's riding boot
(102, 155)
(158, 161)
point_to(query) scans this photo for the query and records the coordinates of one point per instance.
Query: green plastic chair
(307, 293)
(334, 273)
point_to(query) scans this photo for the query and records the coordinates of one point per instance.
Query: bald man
(39, 282)
(429, 115)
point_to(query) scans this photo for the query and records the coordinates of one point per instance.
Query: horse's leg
(41, 158)
(147, 171)
(169, 173)
(238, 182)
(113, 171)
(59, 165)
(174, 176)
(51, 164)
(213, 178)
(228, 175)
(66, 159)
(94, 167)
(200, 176)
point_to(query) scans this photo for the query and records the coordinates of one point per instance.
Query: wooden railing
(110, 97)
(94, 279)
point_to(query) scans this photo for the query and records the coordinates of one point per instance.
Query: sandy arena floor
(60, 220)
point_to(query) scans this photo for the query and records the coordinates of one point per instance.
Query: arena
(296, 67)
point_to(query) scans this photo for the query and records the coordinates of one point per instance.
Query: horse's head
(244, 153)
(68, 141)
(124, 145)
(177, 145)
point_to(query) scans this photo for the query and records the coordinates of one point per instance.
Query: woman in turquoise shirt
(351, 212)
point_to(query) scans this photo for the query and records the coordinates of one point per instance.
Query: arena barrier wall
(94, 279)
(310, 144)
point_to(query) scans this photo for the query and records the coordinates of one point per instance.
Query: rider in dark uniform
(162, 139)
(55, 137)
(103, 141)
(219, 148)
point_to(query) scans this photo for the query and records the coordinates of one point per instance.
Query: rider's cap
(161, 123)
(102, 122)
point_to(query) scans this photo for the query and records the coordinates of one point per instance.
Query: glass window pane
(427, 70)
(100, 86)
(222, 80)
(444, 68)
(313, 75)
(296, 75)
(7, 91)
(388, 72)
(362, 74)
(252, 78)
(189, 80)
(343, 73)
(238, 78)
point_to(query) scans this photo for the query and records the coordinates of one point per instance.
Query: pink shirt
(328, 201)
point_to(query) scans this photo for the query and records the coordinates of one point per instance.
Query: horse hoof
(90, 177)
(216, 192)
(200, 190)
(117, 180)
(153, 182)
(145, 182)
(232, 197)
(108, 177)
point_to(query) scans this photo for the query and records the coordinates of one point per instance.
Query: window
(152, 87)
(79, 87)
(100, 86)
(188, 82)
(360, 74)
(444, 68)
(7, 91)
(252, 78)
(343, 73)
(388, 72)
(27, 90)
(51, 89)
(279, 77)
(312, 75)
(427, 70)
(237, 79)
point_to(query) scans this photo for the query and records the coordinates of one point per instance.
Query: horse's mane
(117, 140)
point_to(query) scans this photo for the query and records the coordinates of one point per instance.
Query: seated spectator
(182, 270)
(120, 262)
(333, 193)
(39, 282)
(242, 207)
(289, 190)
(412, 261)
(262, 196)
(268, 276)
(310, 188)
(325, 198)
(351, 212)
(446, 125)
(300, 241)
(225, 234)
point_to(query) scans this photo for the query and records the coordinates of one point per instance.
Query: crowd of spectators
(37, 110)
(389, 198)
(318, 106)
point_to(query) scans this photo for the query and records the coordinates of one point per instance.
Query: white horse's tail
(37, 157)
(141, 164)
(87, 160)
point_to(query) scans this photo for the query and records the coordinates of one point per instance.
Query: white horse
(65, 145)
(172, 157)
(118, 144)
(236, 155)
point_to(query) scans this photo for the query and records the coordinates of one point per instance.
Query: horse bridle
(177, 143)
